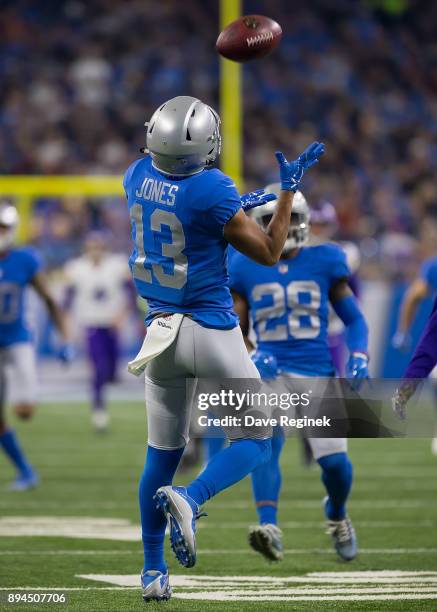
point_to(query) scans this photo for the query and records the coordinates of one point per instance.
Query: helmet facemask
(216, 140)
(298, 232)
(299, 229)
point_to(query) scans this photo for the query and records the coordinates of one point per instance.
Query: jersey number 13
(175, 276)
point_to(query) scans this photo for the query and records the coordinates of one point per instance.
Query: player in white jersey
(97, 289)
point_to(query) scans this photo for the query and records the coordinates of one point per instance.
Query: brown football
(249, 37)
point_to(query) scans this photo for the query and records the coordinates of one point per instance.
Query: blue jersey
(289, 303)
(179, 261)
(17, 269)
(429, 273)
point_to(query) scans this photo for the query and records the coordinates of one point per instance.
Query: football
(249, 37)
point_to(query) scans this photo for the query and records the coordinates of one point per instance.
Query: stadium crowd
(362, 76)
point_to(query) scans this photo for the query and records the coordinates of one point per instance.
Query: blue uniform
(429, 272)
(17, 270)
(289, 305)
(179, 261)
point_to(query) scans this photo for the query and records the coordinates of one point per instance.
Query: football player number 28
(303, 318)
(175, 276)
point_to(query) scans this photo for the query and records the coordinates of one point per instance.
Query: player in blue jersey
(183, 217)
(424, 285)
(19, 269)
(288, 305)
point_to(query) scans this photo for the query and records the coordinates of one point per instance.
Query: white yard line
(51, 588)
(223, 596)
(231, 505)
(386, 585)
(221, 551)
(321, 524)
(241, 596)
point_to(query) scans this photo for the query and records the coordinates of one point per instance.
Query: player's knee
(24, 411)
(337, 464)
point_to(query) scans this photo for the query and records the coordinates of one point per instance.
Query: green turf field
(89, 487)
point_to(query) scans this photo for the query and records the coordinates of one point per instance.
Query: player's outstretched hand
(291, 173)
(66, 353)
(255, 198)
(401, 397)
(401, 341)
(357, 370)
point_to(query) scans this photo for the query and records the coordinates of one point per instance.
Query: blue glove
(291, 173)
(255, 198)
(401, 341)
(266, 364)
(66, 353)
(357, 370)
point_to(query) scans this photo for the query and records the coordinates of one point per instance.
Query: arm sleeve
(226, 203)
(424, 357)
(428, 273)
(357, 332)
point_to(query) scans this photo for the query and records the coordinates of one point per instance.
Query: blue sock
(9, 443)
(266, 482)
(212, 444)
(337, 476)
(159, 470)
(228, 467)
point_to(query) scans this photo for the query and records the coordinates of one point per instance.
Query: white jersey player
(98, 284)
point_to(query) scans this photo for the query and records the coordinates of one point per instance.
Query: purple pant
(424, 357)
(103, 351)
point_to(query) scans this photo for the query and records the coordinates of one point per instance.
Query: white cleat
(267, 540)
(181, 513)
(100, 420)
(155, 586)
(344, 538)
(434, 446)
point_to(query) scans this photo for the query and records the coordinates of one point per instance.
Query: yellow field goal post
(23, 190)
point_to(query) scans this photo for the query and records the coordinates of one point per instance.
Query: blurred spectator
(80, 78)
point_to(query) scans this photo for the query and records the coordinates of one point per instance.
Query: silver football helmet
(183, 136)
(8, 225)
(299, 230)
